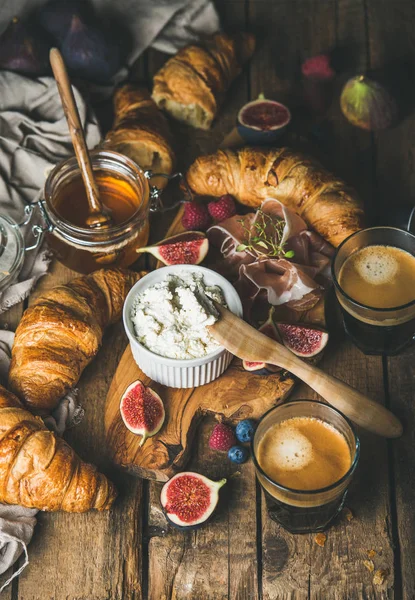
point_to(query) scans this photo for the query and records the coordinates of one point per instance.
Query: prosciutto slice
(297, 282)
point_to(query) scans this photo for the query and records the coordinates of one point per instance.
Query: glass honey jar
(124, 192)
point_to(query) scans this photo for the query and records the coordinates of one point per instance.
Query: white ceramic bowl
(170, 371)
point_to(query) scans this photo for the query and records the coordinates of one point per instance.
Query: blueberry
(238, 454)
(245, 430)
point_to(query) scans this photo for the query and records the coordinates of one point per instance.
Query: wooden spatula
(247, 343)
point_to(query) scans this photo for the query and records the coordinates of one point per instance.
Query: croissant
(62, 332)
(140, 130)
(39, 470)
(299, 182)
(192, 84)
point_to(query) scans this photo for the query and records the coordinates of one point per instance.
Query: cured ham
(296, 280)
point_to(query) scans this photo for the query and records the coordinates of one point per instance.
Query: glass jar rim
(323, 490)
(81, 235)
(16, 266)
(349, 298)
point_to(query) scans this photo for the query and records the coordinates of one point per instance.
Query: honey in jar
(124, 193)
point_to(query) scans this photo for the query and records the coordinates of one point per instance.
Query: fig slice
(303, 340)
(267, 328)
(142, 410)
(189, 499)
(188, 248)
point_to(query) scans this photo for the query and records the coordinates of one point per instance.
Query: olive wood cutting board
(235, 395)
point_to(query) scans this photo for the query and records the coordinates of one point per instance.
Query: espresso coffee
(379, 276)
(303, 453)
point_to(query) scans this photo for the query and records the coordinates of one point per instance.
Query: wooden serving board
(236, 395)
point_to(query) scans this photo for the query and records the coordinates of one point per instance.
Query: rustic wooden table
(130, 553)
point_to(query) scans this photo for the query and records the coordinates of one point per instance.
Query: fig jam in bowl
(262, 121)
(153, 317)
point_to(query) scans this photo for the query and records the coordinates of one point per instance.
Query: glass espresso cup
(304, 510)
(381, 331)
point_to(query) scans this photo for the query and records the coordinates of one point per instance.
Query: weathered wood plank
(342, 564)
(401, 373)
(392, 50)
(286, 38)
(91, 556)
(295, 566)
(220, 560)
(338, 568)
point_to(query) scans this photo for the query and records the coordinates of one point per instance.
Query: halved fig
(303, 340)
(142, 410)
(267, 328)
(264, 115)
(188, 248)
(189, 499)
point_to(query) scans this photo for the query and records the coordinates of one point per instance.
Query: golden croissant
(39, 470)
(192, 84)
(141, 130)
(252, 174)
(62, 332)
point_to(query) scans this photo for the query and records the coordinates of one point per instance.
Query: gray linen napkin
(33, 132)
(34, 137)
(16, 522)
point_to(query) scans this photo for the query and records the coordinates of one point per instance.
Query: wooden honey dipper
(97, 215)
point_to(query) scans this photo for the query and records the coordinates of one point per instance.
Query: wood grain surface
(235, 395)
(131, 553)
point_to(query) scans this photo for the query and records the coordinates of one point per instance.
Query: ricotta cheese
(170, 317)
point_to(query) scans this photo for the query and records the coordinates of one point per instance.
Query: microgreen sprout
(265, 233)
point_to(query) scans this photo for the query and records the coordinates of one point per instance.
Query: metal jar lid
(12, 251)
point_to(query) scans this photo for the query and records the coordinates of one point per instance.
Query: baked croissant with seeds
(141, 130)
(192, 84)
(62, 332)
(39, 470)
(251, 175)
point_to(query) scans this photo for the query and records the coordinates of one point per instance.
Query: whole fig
(56, 16)
(90, 53)
(23, 49)
(367, 104)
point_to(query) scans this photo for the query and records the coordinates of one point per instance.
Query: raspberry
(222, 438)
(223, 208)
(195, 216)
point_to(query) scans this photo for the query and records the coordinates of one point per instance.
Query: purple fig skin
(56, 16)
(367, 104)
(303, 340)
(89, 53)
(24, 49)
(188, 248)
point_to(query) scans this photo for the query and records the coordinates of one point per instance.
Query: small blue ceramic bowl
(262, 121)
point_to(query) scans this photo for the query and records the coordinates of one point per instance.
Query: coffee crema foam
(379, 276)
(304, 453)
(376, 265)
(293, 450)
